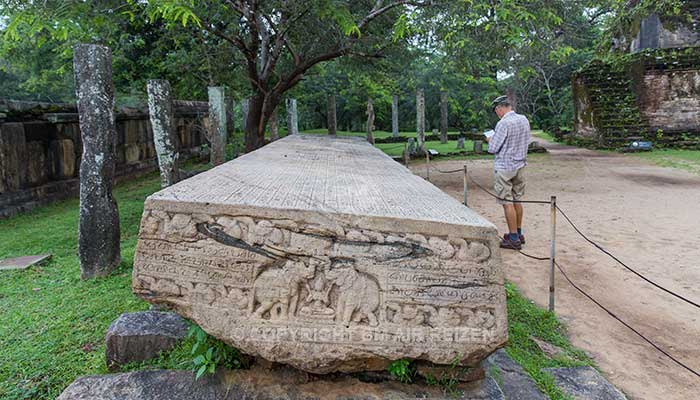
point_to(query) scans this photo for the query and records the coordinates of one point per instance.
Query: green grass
(688, 160)
(52, 324)
(526, 320)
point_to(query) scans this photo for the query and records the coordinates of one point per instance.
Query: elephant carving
(358, 295)
(277, 289)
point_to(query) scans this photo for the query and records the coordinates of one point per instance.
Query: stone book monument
(324, 254)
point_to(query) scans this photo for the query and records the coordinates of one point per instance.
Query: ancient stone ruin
(324, 254)
(654, 95)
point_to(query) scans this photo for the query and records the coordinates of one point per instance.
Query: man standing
(509, 144)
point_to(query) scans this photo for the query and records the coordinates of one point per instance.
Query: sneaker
(506, 243)
(522, 238)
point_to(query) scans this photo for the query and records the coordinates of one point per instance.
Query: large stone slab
(278, 384)
(140, 336)
(325, 254)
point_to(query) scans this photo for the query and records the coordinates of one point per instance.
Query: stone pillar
(160, 110)
(292, 117)
(274, 126)
(245, 107)
(395, 116)
(98, 230)
(370, 121)
(443, 117)
(230, 120)
(217, 124)
(332, 121)
(420, 118)
(460, 143)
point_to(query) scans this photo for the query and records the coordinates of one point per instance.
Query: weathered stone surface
(303, 253)
(478, 146)
(274, 126)
(140, 336)
(584, 383)
(22, 262)
(62, 156)
(332, 120)
(217, 124)
(278, 384)
(160, 108)
(12, 157)
(460, 143)
(443, 116)
(515, 383)
(450, 373)
(550, 350)
(420, 118)
(292, 117)
(98, 233)
(395, 116)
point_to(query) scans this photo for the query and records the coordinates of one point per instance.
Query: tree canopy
(266, 50)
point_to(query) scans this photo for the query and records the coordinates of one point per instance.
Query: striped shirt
(510, 142)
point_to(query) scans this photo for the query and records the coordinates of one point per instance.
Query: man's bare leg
(511, 217)
(519, 213)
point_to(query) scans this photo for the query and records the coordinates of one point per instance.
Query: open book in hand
(490, 133)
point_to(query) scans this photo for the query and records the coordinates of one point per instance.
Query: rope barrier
(625, 323)
(446, 172)
(599, 247)
(509, 201)
(583, 292)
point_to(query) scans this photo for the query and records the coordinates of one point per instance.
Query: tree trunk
(420, 119)
(255, 123)
(274, 126)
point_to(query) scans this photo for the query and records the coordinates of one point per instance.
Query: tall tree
(281, 40)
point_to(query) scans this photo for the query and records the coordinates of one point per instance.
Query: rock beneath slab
(456, 373)
(302, 254)
(22, 262)
(279, 384)
(550, 350)
(140, 336)
(584, 383)
(515, 383)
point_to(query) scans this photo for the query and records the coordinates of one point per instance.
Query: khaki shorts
(509, 185)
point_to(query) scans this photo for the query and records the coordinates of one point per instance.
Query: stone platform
(325, 254)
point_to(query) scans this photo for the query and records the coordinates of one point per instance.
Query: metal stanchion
(427, 165)
(465, 184)
(552, 250)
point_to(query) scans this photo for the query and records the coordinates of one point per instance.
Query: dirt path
(650, 218)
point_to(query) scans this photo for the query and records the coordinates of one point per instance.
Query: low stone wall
(40, 148)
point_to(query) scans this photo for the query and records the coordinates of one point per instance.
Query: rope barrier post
(427, 165)
(552, 250)
(465, 185)
(405, 154)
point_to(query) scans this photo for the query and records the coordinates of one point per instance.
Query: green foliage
(403, 370)
(209, 353)
(526, 320)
